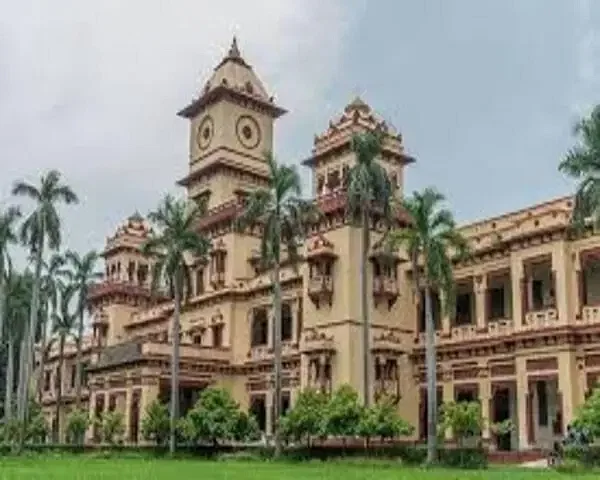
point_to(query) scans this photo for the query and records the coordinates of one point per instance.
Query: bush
(156, 425)
(304, 420)
(112, 427)
(462, 418)
(342, 413)
(77, 424)
(466, 458)
(587, 455)
(382, 420)
(588, 415)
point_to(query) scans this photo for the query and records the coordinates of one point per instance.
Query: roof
(235, 78)
(119, 354)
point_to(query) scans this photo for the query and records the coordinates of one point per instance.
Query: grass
(85, 467)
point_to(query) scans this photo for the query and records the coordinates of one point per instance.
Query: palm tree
(370, 194)
(432, 241)
(51, 284)
(175, 239)
(8, 237)
(582, 163)
(83, 274)
(63, 321)
(17, 305)
(284, 218)
(41, 227)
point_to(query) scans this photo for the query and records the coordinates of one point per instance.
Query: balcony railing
(463, 332)
(320, 288)
(590, 314)
(541, 318)
(500, 327)
(196, 352)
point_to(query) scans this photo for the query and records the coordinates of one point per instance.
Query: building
(525, 339)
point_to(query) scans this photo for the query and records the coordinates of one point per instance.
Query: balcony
(194, 352)
(320, 289)
(385, 289)
(590, 314)
(547, 317)
(500, 327)
(463, 332)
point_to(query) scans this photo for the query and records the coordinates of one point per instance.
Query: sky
(485, 92)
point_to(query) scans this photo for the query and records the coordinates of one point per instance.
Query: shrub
(304, 420)
(112, 427)
(156, 425)
(382, 420)
(78, 422)
(342, 413)
(587, 455)
(463, 418)
(588, 415)
(466, 458)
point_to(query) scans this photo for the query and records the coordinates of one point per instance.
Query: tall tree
(370, 194)
(52, 281)
(174, 240)
(582, 163)
(64, 322)
(8, 220)
(283, 216)
(42, 227)
(432, 241)
(17, 307)
(82, 274)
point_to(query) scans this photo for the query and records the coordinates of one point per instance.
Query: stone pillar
(569, 385)
(269, 408)
(91, 414)
(516, 276)
(559, 267)
(522, 399)
(127, 413)
(149, 393)
(485, 396)
(480, 289)
(447, 395)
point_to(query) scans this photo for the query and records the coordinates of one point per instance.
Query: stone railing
(265, 352)
(500, 327)
(422, 337)
(541, 318)
(463, 332)
(320, 283)
(385, 285)
(590, 314)
(196, 352)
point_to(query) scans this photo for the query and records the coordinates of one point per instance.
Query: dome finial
(234, 50)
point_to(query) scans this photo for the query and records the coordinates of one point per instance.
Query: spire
(357, 104)
(234, 51)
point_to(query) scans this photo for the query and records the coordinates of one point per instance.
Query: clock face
(248, 131)
(205, 132)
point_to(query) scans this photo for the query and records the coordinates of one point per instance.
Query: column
(150, 392)
(91, 414)
(270, 317)
(569, 385)
(480, 288)
(522, 399)
(127, 413)
(269, 408)
(447, 395)
(559, 267)
(516, 276)
(485, 396)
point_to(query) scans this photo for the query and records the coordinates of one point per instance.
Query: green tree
(284, 218)
(432, 241)
(42, 227)
(217, 418)
(582, 163)
(588, 415)
(464, 419)
(304, 420)
(82, 274)
(156, 424)
(382, 420)
(8, 220)
(18, 288)
(369, 193)
(175, 238)
(342, 413)
(63, 321)
(51, 283)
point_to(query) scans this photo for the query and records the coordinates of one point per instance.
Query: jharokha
(525, 340)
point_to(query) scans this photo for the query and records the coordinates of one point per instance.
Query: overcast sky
(485, 92)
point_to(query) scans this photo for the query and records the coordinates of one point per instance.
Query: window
(197, 337)
(200, 281)
(537, 294)
(463, 309)
(57, 378)
(286, 322)
(333, 179)
(130, 271)
(260, 328)
(142, 274)
(320, 184)
(73, 375)
(258, 409)
(47, 379)
(217, 335)
(286, 402)
(496, 299)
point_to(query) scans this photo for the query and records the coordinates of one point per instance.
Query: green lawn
(68, 468)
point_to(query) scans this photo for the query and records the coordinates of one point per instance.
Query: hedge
(466, 458)
(587, 455)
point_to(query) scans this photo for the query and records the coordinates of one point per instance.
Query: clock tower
(231, 128)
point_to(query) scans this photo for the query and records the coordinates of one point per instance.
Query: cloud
(91, 88)
(588, 55)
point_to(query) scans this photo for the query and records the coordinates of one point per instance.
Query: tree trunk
(10, 382)
(61, 352)
(79, 366)
(26, 366)
(277, 357)
(43, 347)
(175, 365)
(2, 298)
(430, 358)
(364, 304)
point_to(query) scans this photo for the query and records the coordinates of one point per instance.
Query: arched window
(286, 322)
(260, 328)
